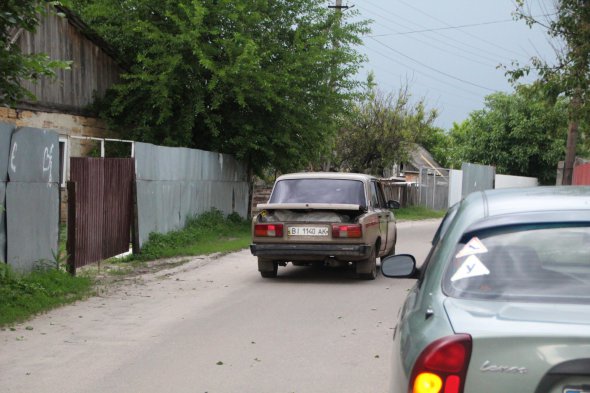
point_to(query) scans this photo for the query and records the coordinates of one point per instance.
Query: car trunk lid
(308, 206)
(518, 345)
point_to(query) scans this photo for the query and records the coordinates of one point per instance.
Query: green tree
(15, 66)
(521, 134)
(569, 26)
(262, 80)
(381, 130)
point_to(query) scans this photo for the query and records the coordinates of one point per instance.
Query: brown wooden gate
(100, 209)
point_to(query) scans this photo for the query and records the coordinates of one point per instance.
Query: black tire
(367, 269)
(267, 268)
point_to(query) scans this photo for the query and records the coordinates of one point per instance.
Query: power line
(476, 53)
(446, 24)
(461, 52)
(438, 80)
(446, 28)
(432, 68)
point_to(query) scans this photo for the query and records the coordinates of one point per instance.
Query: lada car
(338, 219)
(502, 302)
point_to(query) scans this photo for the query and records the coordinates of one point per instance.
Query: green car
(502, 302)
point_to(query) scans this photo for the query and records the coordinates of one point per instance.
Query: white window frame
(65, 157)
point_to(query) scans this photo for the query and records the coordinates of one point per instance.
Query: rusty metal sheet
(87, 239)
(101, 208)
(118, 205)
(32, 215)
(34, 156)
(581, 175)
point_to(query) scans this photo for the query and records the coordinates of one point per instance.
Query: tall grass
(24, 295)
(412, 213)
(205, 234)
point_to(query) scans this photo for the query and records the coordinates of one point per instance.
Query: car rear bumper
(285, 251)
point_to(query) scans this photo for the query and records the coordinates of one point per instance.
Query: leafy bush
(203, 234)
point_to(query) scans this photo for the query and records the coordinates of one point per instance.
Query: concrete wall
(507, 181)
(455, 186)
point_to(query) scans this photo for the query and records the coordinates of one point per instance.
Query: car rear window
(318, 191)
(531, 263)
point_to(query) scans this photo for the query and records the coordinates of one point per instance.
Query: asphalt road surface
(214, 325)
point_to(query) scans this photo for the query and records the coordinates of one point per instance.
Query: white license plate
(308, 231)
(575, 390)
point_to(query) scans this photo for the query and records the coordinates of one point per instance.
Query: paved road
(216, 326)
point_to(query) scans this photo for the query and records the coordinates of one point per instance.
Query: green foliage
(413, 213)
(26, 295)
(381, 130)
(261, 80)
(569, 27)
(521, 134)
(15, 65)
(204, 234)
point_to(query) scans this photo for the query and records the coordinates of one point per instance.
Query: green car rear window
(529, 263)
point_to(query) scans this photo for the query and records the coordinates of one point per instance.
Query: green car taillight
(442, 366)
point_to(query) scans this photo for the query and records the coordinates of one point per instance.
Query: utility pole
(339, 7)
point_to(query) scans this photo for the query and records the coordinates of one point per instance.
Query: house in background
(62, 104)
(409, 171)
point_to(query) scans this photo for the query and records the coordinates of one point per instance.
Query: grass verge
(412, 213)
(24, 295)
(205, 234)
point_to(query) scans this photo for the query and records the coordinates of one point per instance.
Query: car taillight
(442, 366)
(347, 231)
(268, 230)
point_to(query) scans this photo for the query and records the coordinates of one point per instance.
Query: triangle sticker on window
(474, 246)
(471, 267)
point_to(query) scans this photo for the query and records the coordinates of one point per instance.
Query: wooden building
(62, 104)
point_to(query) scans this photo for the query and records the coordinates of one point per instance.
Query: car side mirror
(399, 266)
(393, 204)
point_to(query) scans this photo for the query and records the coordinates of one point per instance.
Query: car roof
(501, 204)
(533, 199)
(327, 175)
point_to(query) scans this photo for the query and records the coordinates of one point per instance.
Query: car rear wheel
(267, 268)
(367, 269)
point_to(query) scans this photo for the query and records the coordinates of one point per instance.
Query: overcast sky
(448, 50)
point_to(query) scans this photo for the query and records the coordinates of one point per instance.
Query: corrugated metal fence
(29, 193)
(100, 209)
(5, 135)
(176, 183)
(172, 184)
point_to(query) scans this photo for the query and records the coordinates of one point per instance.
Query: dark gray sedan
(502, 302)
